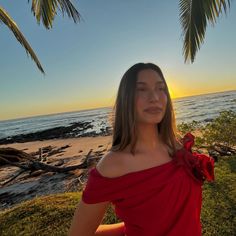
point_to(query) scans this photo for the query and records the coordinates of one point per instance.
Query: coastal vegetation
(218, 136)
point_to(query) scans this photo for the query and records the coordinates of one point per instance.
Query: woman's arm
(111, 230)
(87, 219)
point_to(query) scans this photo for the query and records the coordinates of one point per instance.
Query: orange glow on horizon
(172, 95)
(94, 101)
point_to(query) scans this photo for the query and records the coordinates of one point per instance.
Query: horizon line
(89, 109)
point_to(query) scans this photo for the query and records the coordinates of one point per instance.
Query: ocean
(201, 108)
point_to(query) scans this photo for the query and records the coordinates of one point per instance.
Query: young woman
(152, 178)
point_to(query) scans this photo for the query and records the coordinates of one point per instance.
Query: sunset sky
(84, 62)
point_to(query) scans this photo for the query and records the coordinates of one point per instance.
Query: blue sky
(84, 62)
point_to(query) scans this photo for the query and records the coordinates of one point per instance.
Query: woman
(153, 179)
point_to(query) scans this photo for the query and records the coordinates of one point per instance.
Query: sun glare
(171, 93)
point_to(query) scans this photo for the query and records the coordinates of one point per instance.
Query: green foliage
(45, 10)
(192, 127)
(222, 130)
(199, 142)
(48, 215)
(218, 214)
(184, 128)
(110, 216)
(194, 18)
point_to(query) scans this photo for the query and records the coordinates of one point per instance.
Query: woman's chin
(151, 121)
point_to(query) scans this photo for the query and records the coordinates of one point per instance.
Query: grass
(51, 215)
(219, 200)
(48, 215)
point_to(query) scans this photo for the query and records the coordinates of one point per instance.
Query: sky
(84, 62)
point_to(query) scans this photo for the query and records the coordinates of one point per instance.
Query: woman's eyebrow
(144, 83)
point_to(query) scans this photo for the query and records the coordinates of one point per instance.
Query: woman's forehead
(149, 76)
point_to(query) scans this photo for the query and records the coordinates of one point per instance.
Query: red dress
(164, 200)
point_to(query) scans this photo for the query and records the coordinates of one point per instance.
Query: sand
(27, 186)
(78, 145)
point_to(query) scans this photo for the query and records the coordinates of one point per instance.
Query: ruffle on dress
(199, 166)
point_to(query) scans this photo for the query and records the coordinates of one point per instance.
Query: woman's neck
(148, 138)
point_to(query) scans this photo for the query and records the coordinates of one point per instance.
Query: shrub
(184, 128)
(222, 130)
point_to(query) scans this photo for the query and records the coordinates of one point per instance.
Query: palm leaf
(194, 17)
(46, 10)
(8, 21)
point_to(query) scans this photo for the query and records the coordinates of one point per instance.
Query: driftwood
(225, 150)
(27, 162)
(13, 155)
(13, 177)
(218, 150)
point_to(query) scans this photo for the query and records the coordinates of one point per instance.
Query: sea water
(201, 108)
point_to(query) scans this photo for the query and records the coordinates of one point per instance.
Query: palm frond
(9, 22)
(194, 17)
(46, 10)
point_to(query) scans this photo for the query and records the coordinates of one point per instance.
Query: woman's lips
(153, 110)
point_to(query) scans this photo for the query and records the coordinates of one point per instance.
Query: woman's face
(150, 97)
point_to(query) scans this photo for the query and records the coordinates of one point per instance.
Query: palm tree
(194, 17)
(44, 10)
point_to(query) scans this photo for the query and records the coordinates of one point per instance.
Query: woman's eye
(162, 88)
(141, 89)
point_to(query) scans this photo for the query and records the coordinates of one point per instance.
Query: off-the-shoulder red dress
(164, 200)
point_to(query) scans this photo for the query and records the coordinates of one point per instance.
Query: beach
(78, 146)
(63, 153)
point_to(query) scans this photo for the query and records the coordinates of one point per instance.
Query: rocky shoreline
(74, 130)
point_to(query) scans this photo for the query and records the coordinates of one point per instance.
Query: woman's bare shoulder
(112, 164)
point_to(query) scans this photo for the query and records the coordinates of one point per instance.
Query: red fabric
(199, 166)
(164, 200)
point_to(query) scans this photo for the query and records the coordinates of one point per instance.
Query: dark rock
(53, 133)
(214, 154)
(208, 120)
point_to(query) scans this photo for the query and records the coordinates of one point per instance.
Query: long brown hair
(124, 122)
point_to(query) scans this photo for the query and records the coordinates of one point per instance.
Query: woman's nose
(153, 95)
